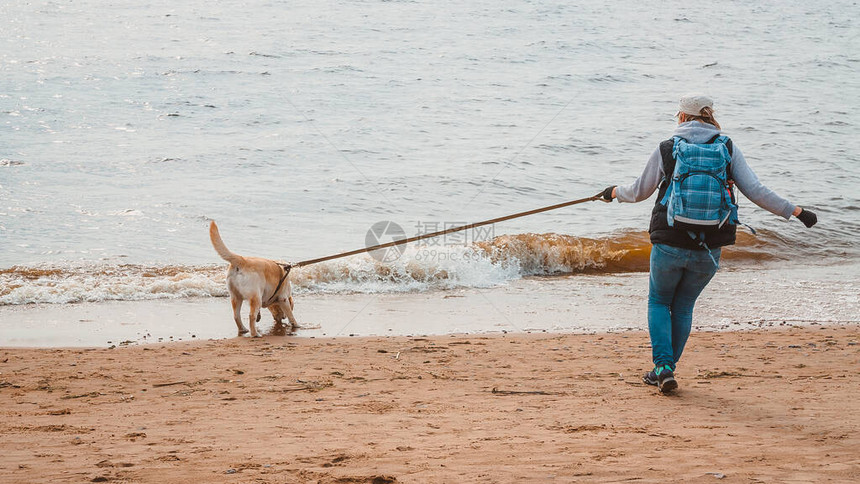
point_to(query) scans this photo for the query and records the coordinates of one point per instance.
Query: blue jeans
(678, 276)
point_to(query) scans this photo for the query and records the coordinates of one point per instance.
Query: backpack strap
(729, 178)
(729, 147)
(700, 239)
(728, 142)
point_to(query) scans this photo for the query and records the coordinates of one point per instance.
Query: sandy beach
(508, 352)
(777, 405)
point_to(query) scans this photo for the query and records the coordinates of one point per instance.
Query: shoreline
(765, 405)
(735, 299)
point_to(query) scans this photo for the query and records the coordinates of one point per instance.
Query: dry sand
(758, 406)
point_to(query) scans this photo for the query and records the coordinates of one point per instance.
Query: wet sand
(772, 405)
(567, 304)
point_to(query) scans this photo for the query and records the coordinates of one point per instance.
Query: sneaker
(666, 380)
(650, 378)
(661, 377)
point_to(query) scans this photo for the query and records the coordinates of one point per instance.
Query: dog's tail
(220, 248)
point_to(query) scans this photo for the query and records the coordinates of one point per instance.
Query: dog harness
(286, 268)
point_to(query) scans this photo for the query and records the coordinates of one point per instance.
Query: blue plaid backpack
(699, 198)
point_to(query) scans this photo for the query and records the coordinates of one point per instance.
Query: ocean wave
(419, 268)
(95, 283)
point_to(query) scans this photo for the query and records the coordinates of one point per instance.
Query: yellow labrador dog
(263, 282)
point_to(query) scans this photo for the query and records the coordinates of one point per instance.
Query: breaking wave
(420, 268)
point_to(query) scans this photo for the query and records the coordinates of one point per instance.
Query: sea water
(297, 126)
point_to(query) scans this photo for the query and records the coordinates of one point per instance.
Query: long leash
(308, 262)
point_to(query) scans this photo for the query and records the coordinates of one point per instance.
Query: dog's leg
(255, 315)
(237, 316)
(287, 308)
(277, 312)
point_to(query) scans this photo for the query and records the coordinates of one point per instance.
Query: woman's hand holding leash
(608, 194)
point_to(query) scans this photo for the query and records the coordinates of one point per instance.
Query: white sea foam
(417, 269)
(451, 268)
(59, 285)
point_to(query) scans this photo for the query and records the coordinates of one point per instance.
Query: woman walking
(685, 252)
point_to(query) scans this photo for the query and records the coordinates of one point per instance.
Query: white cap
(692, 104)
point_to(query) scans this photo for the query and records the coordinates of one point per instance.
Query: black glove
(808, 217)
(607, 194)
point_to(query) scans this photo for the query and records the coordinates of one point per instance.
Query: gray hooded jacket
(745, 179)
